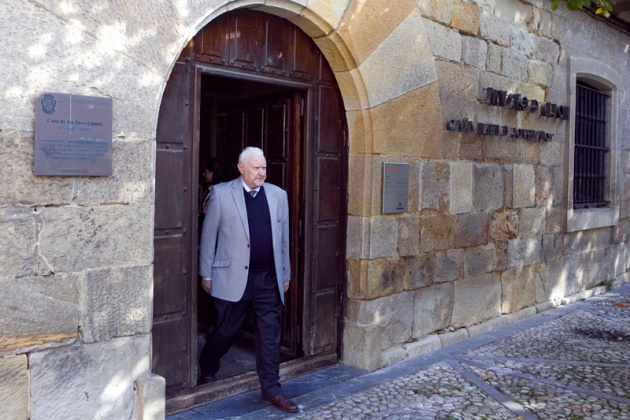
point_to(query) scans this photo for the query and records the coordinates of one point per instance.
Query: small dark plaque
(73, 135)
(395, 187)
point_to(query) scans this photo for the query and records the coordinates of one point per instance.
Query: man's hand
(286, 286)
(206, 285)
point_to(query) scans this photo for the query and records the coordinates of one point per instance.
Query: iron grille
(589, 174)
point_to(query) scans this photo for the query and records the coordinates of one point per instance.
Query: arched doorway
(249, 78)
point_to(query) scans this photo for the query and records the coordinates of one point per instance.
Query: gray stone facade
(490, 235)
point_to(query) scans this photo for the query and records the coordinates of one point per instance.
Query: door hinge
(302, 107)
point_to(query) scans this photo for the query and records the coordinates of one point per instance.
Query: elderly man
(244, 262)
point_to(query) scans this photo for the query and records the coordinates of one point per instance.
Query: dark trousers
(263, 296)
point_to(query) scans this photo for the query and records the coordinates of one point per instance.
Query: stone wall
(484, 241)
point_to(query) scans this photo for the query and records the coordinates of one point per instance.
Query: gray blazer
(225, 245)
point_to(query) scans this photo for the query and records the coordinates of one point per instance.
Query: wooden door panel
(324, 331)
(169, 187)
(247, 41)
(280, 49)
(328, 197)
(168, 294)
(330, 139)
(213, 43)
(170, 353)
(172, 258)
(327, 267)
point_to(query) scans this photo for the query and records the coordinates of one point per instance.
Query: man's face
(253, 171)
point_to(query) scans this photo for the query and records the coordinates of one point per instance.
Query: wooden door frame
(292, 368)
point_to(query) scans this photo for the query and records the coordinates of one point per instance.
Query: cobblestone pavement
(574, 366)
(570, 362)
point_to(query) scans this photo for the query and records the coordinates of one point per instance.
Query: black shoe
(206, 378)
(281, 402)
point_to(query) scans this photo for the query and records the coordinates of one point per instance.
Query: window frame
(607, 80)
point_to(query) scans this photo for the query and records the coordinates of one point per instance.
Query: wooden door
(173, 300)
(297, 118)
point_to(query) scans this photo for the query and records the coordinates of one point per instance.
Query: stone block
(20, 228)
(493, 28)
(98, 236)
(544, 23)
(461, 185)
(544, 186)
(518, 288)
(357, 237)
(471, 229)
(540, 73)
(453, 337)
(504, 225)
(364, 185)
(391, 314)
(89, 381)
(117, 302)
(366, 24)
(520, 315)
(502, 149)
(434, 186)
(476, 299)
(370, 279)
(433, 306)
(17, 165)
(436, 233)
(488, 187)
(474, 52)
(418, 271)
(551, 246)
(524, 252)
(382, 236)
(465, 17)
(131, 181)
(553, 152)
(448, 265)
(150, 391)
(437, 10)
(408, 236)
(494, 58)
(471, 147)
(532, 222)
(524, 193)
(458, 80)
(411, 350)
(517, 13)
(38, 312)
(408, 46)
(14, 387)
(486, 326)
(523, 42)
(514, 65)
(409, 125)
(480, 260)
(445, 42)
(547, 50)
(558, 193)
(362, 346)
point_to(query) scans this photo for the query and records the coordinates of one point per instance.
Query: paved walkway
(571, 362)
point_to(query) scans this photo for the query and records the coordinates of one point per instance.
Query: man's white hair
(248, 151)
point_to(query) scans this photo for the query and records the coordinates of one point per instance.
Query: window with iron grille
(591, 147)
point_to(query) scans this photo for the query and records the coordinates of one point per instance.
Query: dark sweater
(259, 220)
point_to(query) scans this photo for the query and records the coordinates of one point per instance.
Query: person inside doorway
(244, 263)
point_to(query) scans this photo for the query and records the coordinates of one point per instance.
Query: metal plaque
(73, 135)
(395, 187)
